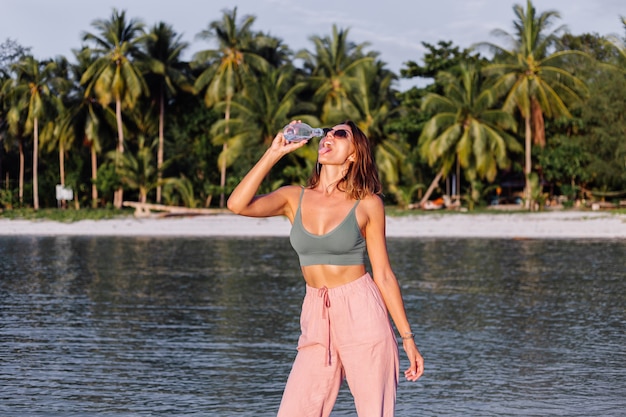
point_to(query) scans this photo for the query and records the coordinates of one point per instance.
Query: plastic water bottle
(297, 132)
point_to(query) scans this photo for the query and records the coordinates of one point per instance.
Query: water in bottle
(297, 132)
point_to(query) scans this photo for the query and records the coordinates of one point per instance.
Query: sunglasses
(339, 133)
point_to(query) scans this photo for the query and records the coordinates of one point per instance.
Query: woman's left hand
(416, 368)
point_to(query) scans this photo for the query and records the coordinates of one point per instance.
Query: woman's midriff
(331, 276)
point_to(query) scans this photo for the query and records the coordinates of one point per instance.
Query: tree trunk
(94, 177)
(35, 163)
(527, 162)
(431, 188)
(160, 150)
(223, 177)
(458, 179)
(61, 164)
(224, 150)
(1, 171)
(119, 193)
(62, 170)
(538, 124)
(21, 179)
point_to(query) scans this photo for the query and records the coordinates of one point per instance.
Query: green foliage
(333, 66)
(179, 191)
(603, 135)
(467, 127)
(108, 180)
(533, 77)
(473, 194)
(8, 198)
(10, 53)
(257, 114)
(537, 195)
(406, 194)
(441, 57)
(563, 161)
(191, 153)
(589, 151)
(222, 110)
(592, 45)
(114, 74)
(65, 216)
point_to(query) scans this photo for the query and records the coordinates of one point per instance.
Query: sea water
(208, 327)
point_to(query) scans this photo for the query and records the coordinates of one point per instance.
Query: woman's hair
(361, 178)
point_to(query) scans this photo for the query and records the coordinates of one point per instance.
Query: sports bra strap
(301, 196)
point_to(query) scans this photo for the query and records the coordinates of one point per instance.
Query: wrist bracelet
(408, 335)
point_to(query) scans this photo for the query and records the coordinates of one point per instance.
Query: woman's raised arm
(244, 200)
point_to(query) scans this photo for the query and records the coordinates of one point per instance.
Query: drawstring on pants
(323, 293)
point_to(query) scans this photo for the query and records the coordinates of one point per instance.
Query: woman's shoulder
(373, 205)
(290, 196)
(290, 192)
(288, 189)
(372, 199)
(291, 189)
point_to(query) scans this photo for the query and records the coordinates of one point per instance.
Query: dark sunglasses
(339, 133)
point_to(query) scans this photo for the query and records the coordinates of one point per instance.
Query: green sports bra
(344, 245)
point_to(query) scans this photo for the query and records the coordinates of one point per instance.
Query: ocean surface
(208, 326)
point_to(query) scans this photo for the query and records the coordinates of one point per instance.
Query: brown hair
(361, 179)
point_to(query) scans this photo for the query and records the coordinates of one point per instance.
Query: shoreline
(540, 225)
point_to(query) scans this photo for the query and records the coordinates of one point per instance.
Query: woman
(346, 331)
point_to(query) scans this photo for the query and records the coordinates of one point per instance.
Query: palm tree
(10, 53)
(372, 97)
(332, 68)
(31, 92)
(87, 120)
(466, 127)
(272, 49)
(114, 75)
(166, 76)
(533, 77)
(138, 171)
(268, 101)
(14, 124)
(234, 57)
(54, 136)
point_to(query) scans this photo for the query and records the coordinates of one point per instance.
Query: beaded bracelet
(408, 335)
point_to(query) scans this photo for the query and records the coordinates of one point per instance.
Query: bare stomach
(330, 276)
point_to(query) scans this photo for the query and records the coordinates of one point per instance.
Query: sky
(393, 28)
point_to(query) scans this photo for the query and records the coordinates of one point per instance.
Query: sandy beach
(542, 225)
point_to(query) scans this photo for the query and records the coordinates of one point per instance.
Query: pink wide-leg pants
(346, 333)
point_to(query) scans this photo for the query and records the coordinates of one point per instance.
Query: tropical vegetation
(537, 119)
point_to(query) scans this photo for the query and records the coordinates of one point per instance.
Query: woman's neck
(330, 178)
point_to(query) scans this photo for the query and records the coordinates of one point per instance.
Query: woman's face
(336, 146)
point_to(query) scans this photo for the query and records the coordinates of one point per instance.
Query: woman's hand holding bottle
(283, 146)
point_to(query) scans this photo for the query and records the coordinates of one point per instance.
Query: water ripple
(185, 327)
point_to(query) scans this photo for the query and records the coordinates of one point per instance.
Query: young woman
(346, 332)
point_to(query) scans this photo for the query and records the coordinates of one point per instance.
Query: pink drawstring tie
(323, 293)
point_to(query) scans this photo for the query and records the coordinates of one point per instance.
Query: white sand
(558, 224)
